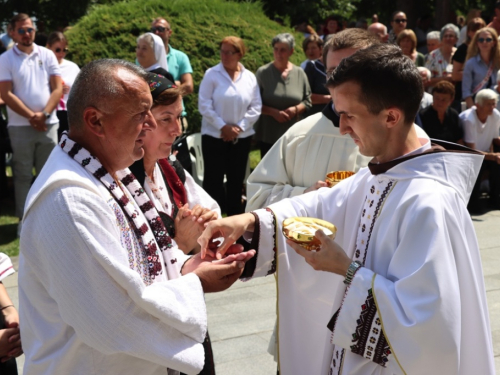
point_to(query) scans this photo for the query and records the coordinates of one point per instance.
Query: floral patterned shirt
(435, 62)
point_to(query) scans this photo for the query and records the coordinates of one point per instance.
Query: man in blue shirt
(179, 66)
(177, 61)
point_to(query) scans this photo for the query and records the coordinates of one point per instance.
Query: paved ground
(241, 319)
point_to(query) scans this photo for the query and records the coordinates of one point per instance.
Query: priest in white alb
(408, 295)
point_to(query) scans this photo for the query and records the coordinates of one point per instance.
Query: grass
(254, 159)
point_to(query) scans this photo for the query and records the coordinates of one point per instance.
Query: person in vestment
(408, 296)
(297, 164)
(299, 161)
(103, 288)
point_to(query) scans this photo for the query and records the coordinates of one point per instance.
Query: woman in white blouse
(230, 103)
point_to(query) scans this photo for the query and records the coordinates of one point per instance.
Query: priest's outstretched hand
(218, 275)
(230, 229)
(330, 257)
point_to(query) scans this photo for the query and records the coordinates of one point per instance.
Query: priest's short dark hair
(387, 78)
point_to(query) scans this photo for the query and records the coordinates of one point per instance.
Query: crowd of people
(119, 244)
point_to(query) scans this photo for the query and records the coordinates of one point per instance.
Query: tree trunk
(410, 8)
(444, 13)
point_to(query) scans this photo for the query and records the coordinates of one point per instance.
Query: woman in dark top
(458, 61)
(439, 120)
(316, 73)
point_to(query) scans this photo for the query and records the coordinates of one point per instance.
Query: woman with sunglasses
(58, 44)
(229, 101)
(482, 64)
(459, 57)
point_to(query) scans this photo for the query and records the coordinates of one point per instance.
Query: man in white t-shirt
(31, 86)
(481, 125)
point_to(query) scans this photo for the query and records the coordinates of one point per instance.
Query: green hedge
(198, 26)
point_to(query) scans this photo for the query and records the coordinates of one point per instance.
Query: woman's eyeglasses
(400, 20)
(28, 30)
(487, 40)
(59, 50)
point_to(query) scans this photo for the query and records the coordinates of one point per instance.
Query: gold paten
(301, 230)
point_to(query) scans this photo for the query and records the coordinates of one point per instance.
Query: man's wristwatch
(351, 271)
(46, 114)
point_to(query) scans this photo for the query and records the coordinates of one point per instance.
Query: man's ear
(92, 119)
(393, 117)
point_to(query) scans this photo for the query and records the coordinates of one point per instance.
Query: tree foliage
(314, 11)
(55, 14)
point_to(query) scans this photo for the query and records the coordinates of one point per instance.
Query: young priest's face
(367, 130)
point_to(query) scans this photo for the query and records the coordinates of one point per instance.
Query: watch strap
(351, 271)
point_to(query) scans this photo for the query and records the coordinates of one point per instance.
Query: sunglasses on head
(158, 28)
(487, 40)
(58, 50)
(400, 20)
(28, 30)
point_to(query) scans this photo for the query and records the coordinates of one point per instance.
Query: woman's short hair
(407, 33)
(236, 43)
(169, 96)
(313, 38)
(474, 25)
(55, 37)
(444, 87)
(148, 39)
(484, 95)
(434, 35)
(452, 27)
(286, 38)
